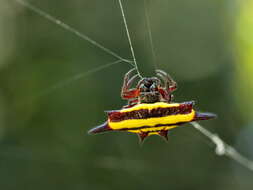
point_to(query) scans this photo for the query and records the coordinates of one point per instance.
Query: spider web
(222, 148)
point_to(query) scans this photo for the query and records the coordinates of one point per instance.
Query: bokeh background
(207, 46)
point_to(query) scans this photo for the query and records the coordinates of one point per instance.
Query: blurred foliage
(205, 45)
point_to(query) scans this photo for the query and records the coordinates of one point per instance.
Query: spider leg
(170, 84)
(126, 92)
(130, 82)
(126, 80)
(131, 103)
(127, 75)
(166, 96)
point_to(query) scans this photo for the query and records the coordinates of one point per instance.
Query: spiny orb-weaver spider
(150, 110)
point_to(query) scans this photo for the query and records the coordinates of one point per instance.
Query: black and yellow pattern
(151, 119)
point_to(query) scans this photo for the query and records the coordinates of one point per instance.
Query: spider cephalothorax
(148, 90)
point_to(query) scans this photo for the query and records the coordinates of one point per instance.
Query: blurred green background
(207, 46)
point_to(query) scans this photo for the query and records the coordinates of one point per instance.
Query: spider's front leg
(131, 103)
(126, 92)
(170, 85)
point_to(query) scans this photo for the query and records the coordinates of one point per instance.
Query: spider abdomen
(149, 119)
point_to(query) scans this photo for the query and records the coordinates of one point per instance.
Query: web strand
(129, 38)
(70, 29)
(75, 78)
(78, 34)
(150, 34)
(223, 149)
(69, 81)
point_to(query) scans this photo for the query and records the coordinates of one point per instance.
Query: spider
(148, 90)
(149, 110)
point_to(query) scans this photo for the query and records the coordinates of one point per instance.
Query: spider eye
(153, 87)
(143, 88)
